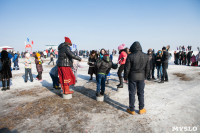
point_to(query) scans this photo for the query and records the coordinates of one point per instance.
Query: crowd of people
(185, 56)
(134, 67)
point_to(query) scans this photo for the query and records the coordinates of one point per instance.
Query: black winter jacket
(104, 65)
(6, 66)
(137, 64)
(164, 59)
(65, 56)
(158, 60)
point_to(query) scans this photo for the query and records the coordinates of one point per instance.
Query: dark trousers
(164, 71)
(153, 70)
(16, 66)
(101, 81)
(39, 76)
(51, 61)
(188, 62)
(132, 86)
(180, 62)
(120, 70)
(28, 72)
(4, 82)
(55, 80)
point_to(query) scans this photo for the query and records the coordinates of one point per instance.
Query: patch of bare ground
(73, 111)
(73, 115)
(31, 92)
(183, 76)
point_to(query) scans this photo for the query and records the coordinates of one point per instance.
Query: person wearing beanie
(28, 67)
(103, 68)
(5, 71)
(91, 62)
(136, 71)
(164, 61)
(65, 64)
(121, 61)
(152, 61)
(38, 62)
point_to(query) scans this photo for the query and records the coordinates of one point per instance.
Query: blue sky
(99, 24)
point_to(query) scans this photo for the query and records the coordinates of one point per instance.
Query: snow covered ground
(37, 107)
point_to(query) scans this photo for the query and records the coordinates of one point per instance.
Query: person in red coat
(65, 64)
(121, 60)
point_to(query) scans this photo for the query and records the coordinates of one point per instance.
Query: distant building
(52, 46)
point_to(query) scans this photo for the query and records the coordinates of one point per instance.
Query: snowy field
(37, 107)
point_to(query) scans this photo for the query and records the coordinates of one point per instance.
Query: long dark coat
(6, 66)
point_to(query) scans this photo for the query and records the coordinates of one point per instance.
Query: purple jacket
(39, 65)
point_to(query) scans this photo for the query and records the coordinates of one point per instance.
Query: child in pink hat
(121, 60)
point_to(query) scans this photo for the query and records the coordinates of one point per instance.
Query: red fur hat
(68, 40)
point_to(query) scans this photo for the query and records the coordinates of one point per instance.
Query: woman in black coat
(91, 62)
(6, 70)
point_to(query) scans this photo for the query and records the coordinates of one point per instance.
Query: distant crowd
(185, 56)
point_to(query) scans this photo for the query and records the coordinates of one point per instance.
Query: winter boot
(4, 85)
(57, 87)
(102, 93)
(130, 112)
(8, 84)
(166, 80)
(8, 88)
(98, 94)
(142, 111)
(67, 91)
(161, 81)
(121, 83)
(91, 78)
(63, 89)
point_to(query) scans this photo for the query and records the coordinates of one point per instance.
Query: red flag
(28, 46)
(32, 42)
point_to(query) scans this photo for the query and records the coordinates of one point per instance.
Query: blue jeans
(132, 87)
(159, 71)
(101, 79)
(55, 80)
(28, 71)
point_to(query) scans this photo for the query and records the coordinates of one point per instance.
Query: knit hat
(67, 40)
(164, 48)
(120, 47)
(27, 55)
(37, 55)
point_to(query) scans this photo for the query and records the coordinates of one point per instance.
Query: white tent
(8, 48)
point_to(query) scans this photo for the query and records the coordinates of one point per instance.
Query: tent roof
(7, 47)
